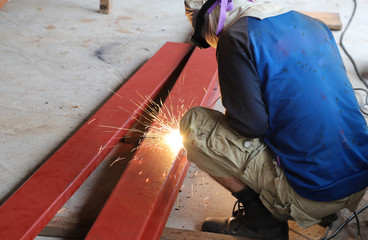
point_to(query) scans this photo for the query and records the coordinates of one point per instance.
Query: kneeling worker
(292, 144)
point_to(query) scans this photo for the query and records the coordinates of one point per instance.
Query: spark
(174, 140)
(206, 201)
(62, 210)
(124, 109)
(115, 93)
(117, 160)
(111, 127)
(91, 121)
(117, 75)
(156, 125)
(164, 174)
(160, 125)
(101, 148)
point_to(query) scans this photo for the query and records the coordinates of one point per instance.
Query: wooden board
(183, 234)
(332, 20)
(105, 6)
(75, 228)
(67, 227)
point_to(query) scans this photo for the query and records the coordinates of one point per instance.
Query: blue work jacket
(282, 79)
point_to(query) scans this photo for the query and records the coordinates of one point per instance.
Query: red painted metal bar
(33, 205)
(2, 3)
(142, 200)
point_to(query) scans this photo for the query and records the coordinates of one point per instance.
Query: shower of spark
(158, 125)
(174, 140)
(164, 132)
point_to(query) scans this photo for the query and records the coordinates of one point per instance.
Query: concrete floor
(59, 58)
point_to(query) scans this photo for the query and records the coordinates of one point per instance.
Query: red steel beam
(34, 204)
(141, 202)
(2, 3)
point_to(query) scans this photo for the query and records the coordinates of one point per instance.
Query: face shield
(198, 16)
(209, 18)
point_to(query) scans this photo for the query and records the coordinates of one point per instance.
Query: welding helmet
(197, 13)
(209, 18)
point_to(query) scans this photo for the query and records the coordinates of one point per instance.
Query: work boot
(329, 220)
(250, 220)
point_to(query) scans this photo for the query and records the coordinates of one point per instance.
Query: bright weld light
(174, 140)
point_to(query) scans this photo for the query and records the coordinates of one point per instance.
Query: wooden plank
(2, 3)
(332, 20)
(105, 6)
(142, 200)
(184, 234)
(34, 204)
(67, 227)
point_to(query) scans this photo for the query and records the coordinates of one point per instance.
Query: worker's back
(315, 126)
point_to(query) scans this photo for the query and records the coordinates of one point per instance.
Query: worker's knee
(196, 127)
(197, 121)
(214, 146)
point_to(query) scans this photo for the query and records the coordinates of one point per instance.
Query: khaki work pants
(220, 151)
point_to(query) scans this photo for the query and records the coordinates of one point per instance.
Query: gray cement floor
(59, 58)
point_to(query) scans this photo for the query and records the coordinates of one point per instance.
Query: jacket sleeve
(239, 82)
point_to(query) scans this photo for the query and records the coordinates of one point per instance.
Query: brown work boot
(249, 222)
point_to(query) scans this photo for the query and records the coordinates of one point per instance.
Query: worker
(292, 143)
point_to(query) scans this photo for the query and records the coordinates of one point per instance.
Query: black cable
(346, 222)
(344, 49)
(358, 225)
(355, 214)
(364, 104)
(327, 230)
